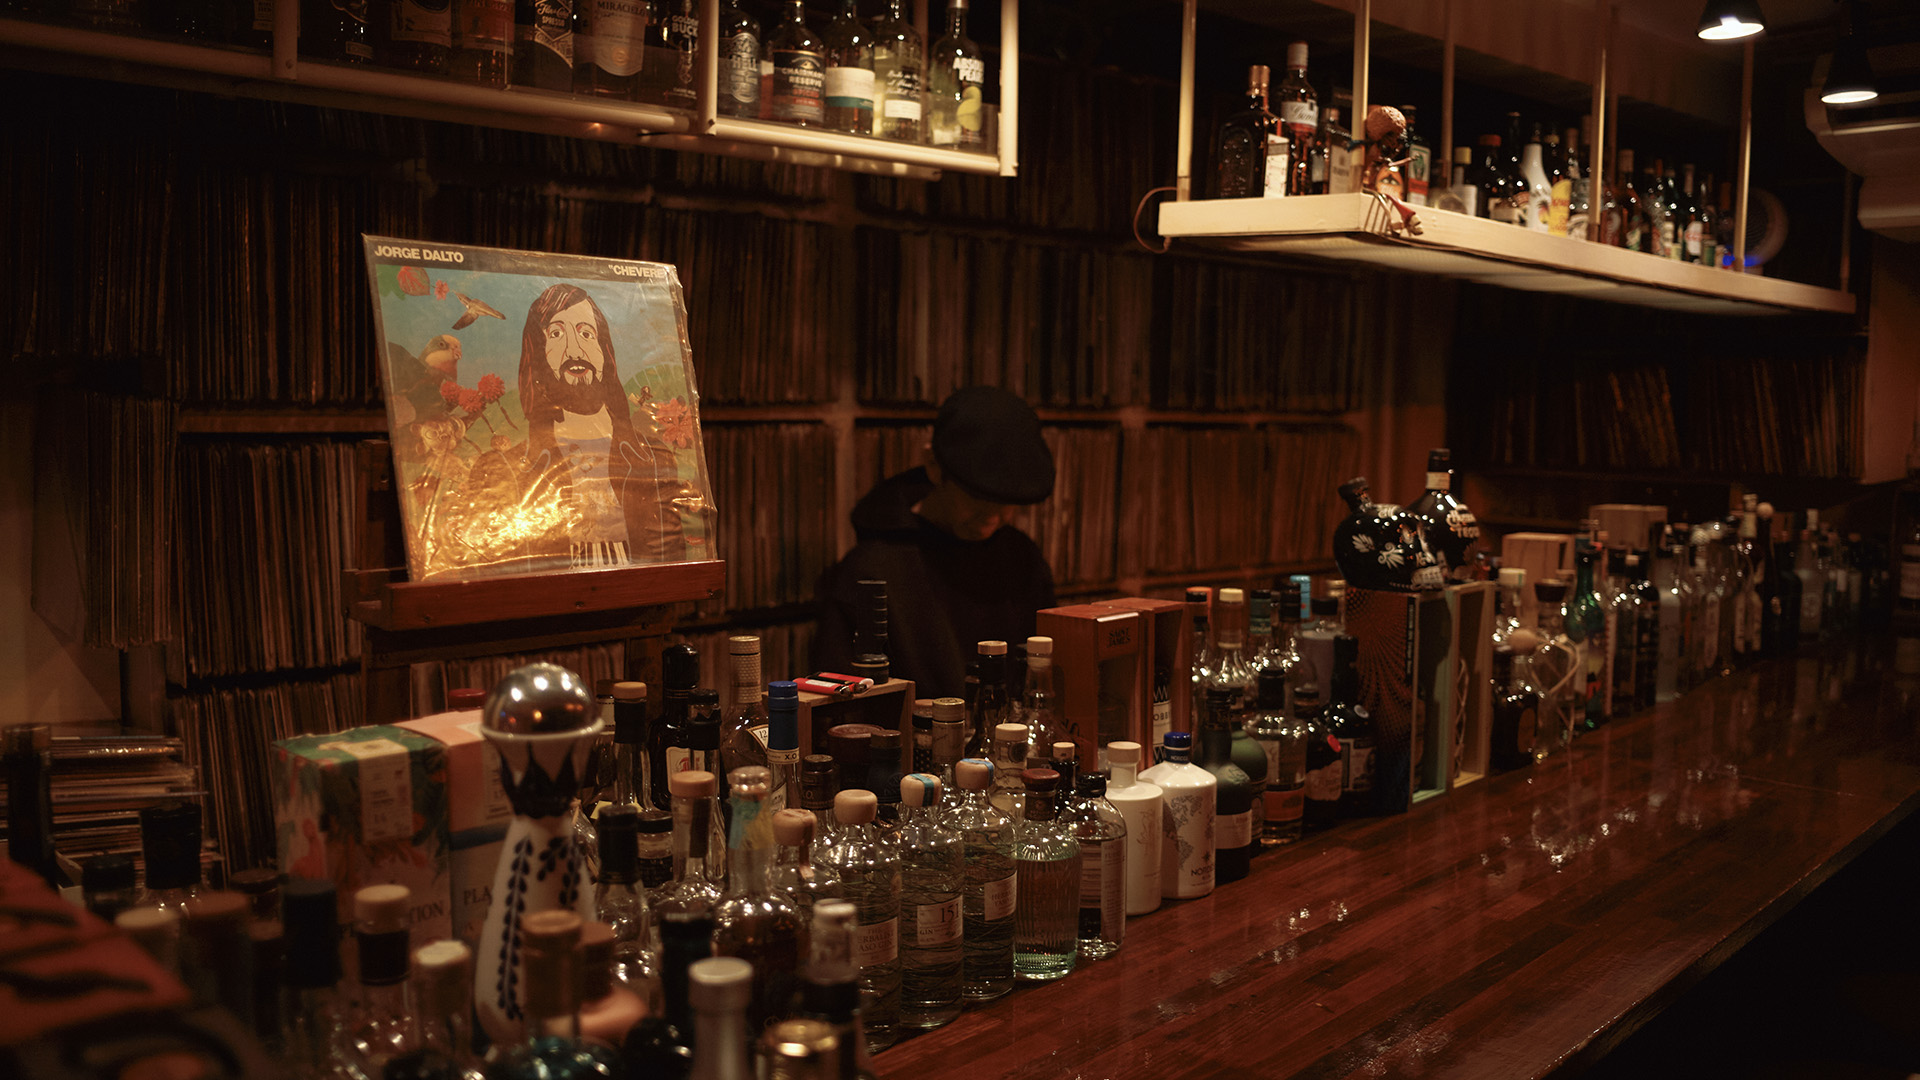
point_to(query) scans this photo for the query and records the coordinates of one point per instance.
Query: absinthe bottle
(849, 88)
(932, 877)
(799, 71)
(1234, 836)
(1046, 857)
(899, 77)
(956, 85)
(987, 908)
(1186, 841)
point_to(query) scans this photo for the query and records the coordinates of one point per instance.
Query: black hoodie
(944, 594)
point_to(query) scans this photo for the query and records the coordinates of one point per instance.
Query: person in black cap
(942, 537)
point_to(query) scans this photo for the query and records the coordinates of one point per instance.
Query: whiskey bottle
(1352, 725)
(899, 76)
(671, 44)
(552, 1046)
(1249, 144)
(1462, 193)
(869, 870)
(956, 86)
(754, 921)
(849, 91)
(482, 41)
(1299, 114)
(799, 70)
(739, 62)
(543, 44)
(631, 769)
(382, 1027)
(987, 907)
(1138, 802)
(1046, 858)
(743, 728)
(1186, 842)
(932, 877)
(1283, 741)
(722, 990)
(1102, 834)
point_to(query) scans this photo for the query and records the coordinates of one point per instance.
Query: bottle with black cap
(311, 1036)
(382, 1027)
(619, 900)
(217, 961)
(783, 743)
(1235, 836)
(170, 842)
(107, 884)
(661, 1045)
(817, 787)
(1321, 806)
(679, 674)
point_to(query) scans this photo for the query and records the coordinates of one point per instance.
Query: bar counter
(1518, 927)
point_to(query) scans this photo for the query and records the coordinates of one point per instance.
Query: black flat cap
(988, 441)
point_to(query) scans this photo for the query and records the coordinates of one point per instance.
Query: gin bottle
(869, 870)
(987, 908)
(1102, 834)
(753, 921)
(1186, 842)
(1138, 802)
(932, 876)
(1047, 862)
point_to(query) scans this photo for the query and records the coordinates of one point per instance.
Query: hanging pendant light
(1850, 76)
(1728, 20)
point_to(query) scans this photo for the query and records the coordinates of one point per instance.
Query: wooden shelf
(1353, 228)
(374, 598)
(280, 76)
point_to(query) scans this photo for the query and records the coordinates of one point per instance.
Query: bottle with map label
(1186, 840)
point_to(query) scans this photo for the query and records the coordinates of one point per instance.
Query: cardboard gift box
(1097, 659)
(477, 814)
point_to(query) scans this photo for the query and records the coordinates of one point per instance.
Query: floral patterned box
(477, 813)
(368, 807)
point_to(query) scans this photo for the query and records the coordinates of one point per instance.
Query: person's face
(975, 518)
(574, 353)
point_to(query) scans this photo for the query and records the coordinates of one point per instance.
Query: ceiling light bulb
(1729, 20)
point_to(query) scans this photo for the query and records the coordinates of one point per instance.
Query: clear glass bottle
(661, 1044)
(1036, 709)
(831, 989)
(1234, 836)
(1557, 668)
(1283, 742)
(1046, 859)
(932, 879)
(1186, 842)
(869, 870)
(799, 70)
(956, 86)
(1623, 570)
(987, 906)
(170, 845)
(899, 76)
(1353, 726)
(1102, 834)
(696, 887)
(313, 1039)
(754, 921)
(739, 62)
(1204, 662)
(850, 77)
(805, 882)
(949, 737)
(724, 991)
(619, 899)
(382, 1026)
(1299, 112)
(1010, 751)
(552, 1047)
(443, 1000)
(1139, 805)
(608, 1009)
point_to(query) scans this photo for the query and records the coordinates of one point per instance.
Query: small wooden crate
(1469, 688)
(888, 705)
(1168, 647)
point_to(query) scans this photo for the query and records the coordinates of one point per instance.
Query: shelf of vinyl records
(1362, 228)
(280, 75)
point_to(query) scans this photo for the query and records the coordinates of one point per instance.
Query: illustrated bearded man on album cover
(581, 438)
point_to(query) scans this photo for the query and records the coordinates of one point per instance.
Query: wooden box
(888, 705)
(1097, 660)
(1469, 691)
(1168, 649)
(1404, 642)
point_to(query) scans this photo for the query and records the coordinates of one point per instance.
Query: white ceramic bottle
(1186, 821)
(1139, 803)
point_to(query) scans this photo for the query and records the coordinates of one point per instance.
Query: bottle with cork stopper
(443, 1000)
(382, 1026)
(551, 1044)
(932, 877)
(794, 870)
(696, 886)
(987, 908)
(1036, 695)
(753, 921)
(869, 870)
(608, 1009)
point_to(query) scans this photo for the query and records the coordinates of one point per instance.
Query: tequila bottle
(869, 870)
(1102, 834)
(1047, 863)
(987, 908)
(754, 921)
(932, 878)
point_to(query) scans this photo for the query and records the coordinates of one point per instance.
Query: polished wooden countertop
(1517, 927)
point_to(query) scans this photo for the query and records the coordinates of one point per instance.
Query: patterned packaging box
(477, 813)
(368, 807)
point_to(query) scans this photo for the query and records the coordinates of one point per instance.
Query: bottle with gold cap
(550, 1047)
(932, 876)
(801, 1050)
(1036, 695)
(443, 1001)
(695, 887)
(382, 1027)
(987, 906)
(794, 870)
(720, 988)
(869, 870)
(608, 1009)
(1046, 858)
(830, 992)
(753, 921)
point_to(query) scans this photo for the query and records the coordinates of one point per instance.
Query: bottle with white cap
(869, 870)
(1009, 759)
(443, 992)
(986, 836)
(1139, 802)
(719, 988)
(1036, 697)
(949, 736)
(932, 874)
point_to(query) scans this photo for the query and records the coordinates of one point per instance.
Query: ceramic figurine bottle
(543, 720)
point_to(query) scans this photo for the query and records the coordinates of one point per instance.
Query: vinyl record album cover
(542, 409)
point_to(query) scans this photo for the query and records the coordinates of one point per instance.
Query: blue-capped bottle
(1188, 793)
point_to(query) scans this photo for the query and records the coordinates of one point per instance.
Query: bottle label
(1233, 830)
(1419, 166)
(1560, 206)
(849, 88)
(876, 943)
(1187, 845)
(385, 777)
(799, 82)
(1506, 211)
(484, 26)
(936, 925)
(903, 93)
(1695, 236)
(740, 70)
(679, 759)
(263, 15)
(429, 22)
(1271, 747)
(1300, 115)
(998, 898)
(1284, 807)
(553, 28)
(1275, 183)
(1163, 710)
(618, 26)
(1357, 757)
(1093, 867)
(1323, 784)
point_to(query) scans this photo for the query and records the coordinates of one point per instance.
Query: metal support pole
(1746, 159)
(706, 101)
(1446, 103)
(1362, 55)
(1009, 87)
(1183, 147)
(286, 39)
(1597, 138)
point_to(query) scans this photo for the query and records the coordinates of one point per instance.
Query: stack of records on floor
(100, 785)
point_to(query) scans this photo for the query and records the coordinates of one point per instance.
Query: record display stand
(419, 622)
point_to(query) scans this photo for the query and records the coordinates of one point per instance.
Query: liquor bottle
(419, 35)
(1631, 226)
(1065, 760)
(543, 44)
(1283, 741)
(1316, 637)
(1102, 833)
(753, 920)
(661, 1044)
(1694, 237)
(443, 1000)
(1138, 802)
(1298, 111)
(312, 1039)
(696, 886)
(1046, 858)
(1352, 726)
(956, 86)
(217, 958)
(1246, 752)
(806, 883)
(381, 1027)
(949, 736)
(1680, 212)
(698, 743)
(1188, 802)
(1560, 170)
(1010, 748)
(991, 706)
(668, 38)
(608, 1010)
(1668, 581)
(1658, 210)
(1516, 709)
(1261, 649)
(1450, 526)
(1813, 588)
(869, 870)
(744, 726)
(1320, 152)
(831, 989)
(1623, 624)
(932, 879)
(720, 989)
(1321, 805)
(987, 909)
(482, 41)
(1581, 190)
(1498, 199)
(849, 85)
(1708, 215)
(631, 768)
(1252, 153)
(899, 77)
(1646, 639)
(28, 759)
(1461, 195)
(739, 90)
(1419, 168)
(1036, 708)
(1230, 671)
(106, 881)
(1539, 206)
(1203, 662)
(552, 1046)
(170, 845)
(1586, 627)
(679, 674)
(783, 743)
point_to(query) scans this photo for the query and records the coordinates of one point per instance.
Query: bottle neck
(1123, 775)
(629, 773)
(746, 864)
(692, 824)
(720, 1045)
(956, 22)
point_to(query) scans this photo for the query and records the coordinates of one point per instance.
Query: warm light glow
(1729, 28)
(1848, 97)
